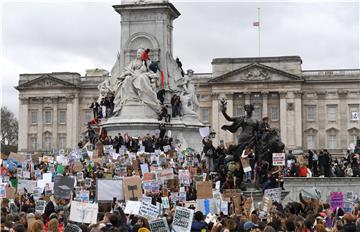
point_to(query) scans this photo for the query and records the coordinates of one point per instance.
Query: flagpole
(259, 30)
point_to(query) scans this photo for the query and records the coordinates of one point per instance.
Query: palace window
(62, 141)
(34, 118)
(311, 113)
(354, 113)
(62, 117)
(257, 112)
(332, 113)
(311, 141)
(205, 115)
(88, 115)
(332, 139)
(47, 141)
(48, 117)
(274, 113)
(239, 110)
(33, 142)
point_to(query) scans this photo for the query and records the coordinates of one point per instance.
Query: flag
(256, 24)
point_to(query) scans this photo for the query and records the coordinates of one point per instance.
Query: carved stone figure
(136, 84)
(188, 97)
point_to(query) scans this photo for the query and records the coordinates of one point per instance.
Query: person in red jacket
(303, 171)
(145, 57)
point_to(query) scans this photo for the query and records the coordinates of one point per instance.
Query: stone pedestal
(138, 119)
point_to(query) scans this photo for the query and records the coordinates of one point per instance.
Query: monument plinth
(146, 26)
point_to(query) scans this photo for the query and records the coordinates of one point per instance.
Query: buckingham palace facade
(311, 109)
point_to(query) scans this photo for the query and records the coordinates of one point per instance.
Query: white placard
(355, 116)
(278, 159)
(149, 211)
(182, 219)
(204, 131)
(165, 202)
(83, 212)
(159, 225)
(274, 194)
(132, 207)
(108, 189)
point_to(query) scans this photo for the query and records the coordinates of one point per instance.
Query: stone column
(76, 119)
(215, 118)
(40, 124)
(283, 117)
(23, 124)
(321, 118)
(69, 121)
(247, 97)
(343, 112)
(298, 119)
(264, 95)
(55, 123)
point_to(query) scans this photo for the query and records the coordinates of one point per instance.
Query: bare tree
(9, 127)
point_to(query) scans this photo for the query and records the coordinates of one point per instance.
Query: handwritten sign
(278, 159)
(159, 225)
(106, 190)
(336, 200)
(149, 211)
(40, 206)
(274, 194)
(83, 212)
(182, 219)
(132, 207)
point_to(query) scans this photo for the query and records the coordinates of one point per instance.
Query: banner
(182, 219)
(106, 190)
(132, 188)
(159, 225)
(63, 186)
(274, 194)
(149, 211)
(83, 212)
(278, 159)
(29, 185)
(336, 200)
(204, 190)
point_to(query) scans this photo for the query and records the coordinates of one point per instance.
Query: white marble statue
(136, 84)
(188, 97)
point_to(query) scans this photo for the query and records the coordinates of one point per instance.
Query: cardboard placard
(106, 190)
(63, 186)
(248, 206)
(182, 219)
(83, 212)
(266, 203)
(204, 189)
(238, 204)
(16, 156)
(132, 188)
(229, 193)
(10, 192)
(278, 159)
(159, 225)
(165, 174)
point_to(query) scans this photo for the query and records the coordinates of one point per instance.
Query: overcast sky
(51, 36)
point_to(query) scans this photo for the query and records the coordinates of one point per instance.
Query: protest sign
(148, 176)
(182, 219)
(144, 168)
(78, 167)
(132, 207)
(245, 164)
(182, 196)
(204, 131)
(165, 174)
(204, 189)
(10, 192)
(80, 176)
(336, 200)
(2, 191)
(147, 199)
(278, 159)
(165, 202)
(29, 185)
(16, 156)
(40, 206)
(274, 194)
(238, 203)
(84, 196)
(184, 177)
(248, 206)
(228, 193)
(63, 186)
(149, 211)
(159, 225)
(132, 188)
(206, 206)
(106, 190)
(83, 212)
(349, 200)
(174, 197)
(266, 203)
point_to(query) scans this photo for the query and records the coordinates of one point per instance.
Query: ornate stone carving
(257, 74)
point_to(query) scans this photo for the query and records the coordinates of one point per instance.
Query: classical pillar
(55, 123)
(343, 133)
(69, 121)
(76, 113)
(265, 95)
(40, 124)
(247, 97)
(23, 124)
(321, 118)
(298, 119)
(215, 118)
(283, 117)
